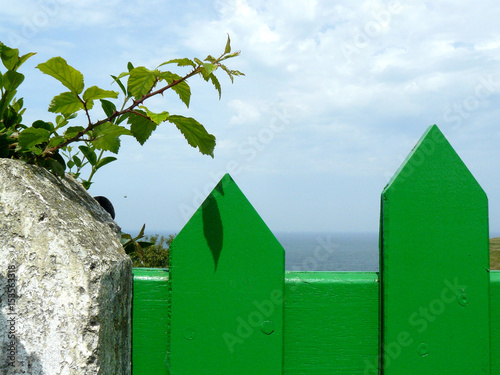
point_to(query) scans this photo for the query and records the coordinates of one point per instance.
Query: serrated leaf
(109, 128)
(89, 154)
(39, 124)
(108, 137)
(180, 62)
(207, 69)
(94, 93)
(32, 137)
(216, 84)
(230, 56)
(141, 127)
(108, 107)
(181, 88)
(140, 82)
(194, 132)
(107, 143)
(58, 68)
(65, 103)
(157, 118)
(228, 45)
(211, 59)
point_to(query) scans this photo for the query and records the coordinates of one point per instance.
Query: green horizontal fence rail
(226, 306)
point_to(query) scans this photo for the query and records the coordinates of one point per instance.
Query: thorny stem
(130, 109)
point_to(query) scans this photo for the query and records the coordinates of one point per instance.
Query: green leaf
(104, 161)
(108, 137)
(72, 131)
(89, 153)
(39, 124)
(9, 56)
(157, 118)
(141, 127)
(12, 80)
(181, 88)
(58, 68)
(207, 69)
(32, 137)
(66, 103)
(55, 141)
(180, 62)
(108, 107)
(77, 161)
(230, 56)
(117, 80)
(140, 82)
(195, 134)
(216, 83)
(94, 93)
(57, 165)
(109, 128)
(228, 45)
(211, 59)
(86, 184)
(23, 59)
(5, 101)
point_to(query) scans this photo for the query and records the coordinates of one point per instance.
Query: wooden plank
(495, 321)
(149, 321)
(331, 323)
(227, 281)
(434, 265)
(349, 300)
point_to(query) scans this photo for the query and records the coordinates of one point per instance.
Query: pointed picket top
(434, 265)
(227, 280)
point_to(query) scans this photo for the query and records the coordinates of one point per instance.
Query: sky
(336, 94)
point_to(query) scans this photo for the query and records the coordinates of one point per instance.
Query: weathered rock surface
(65, 281)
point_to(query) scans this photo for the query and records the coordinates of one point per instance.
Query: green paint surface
(495, 321)
(149, 321)
(434, 265)
(227, 281)
(331, 323)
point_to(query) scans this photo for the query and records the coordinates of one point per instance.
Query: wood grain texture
(434, 265)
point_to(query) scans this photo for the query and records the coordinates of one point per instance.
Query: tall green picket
(434, 265)
(226, 291)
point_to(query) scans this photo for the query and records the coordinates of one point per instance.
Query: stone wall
(65, 281)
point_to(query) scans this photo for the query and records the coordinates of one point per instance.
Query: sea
(329, 251)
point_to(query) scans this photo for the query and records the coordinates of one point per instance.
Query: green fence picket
(226, 290)
(434, 265)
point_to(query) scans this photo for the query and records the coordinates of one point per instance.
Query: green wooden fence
(227, 307)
